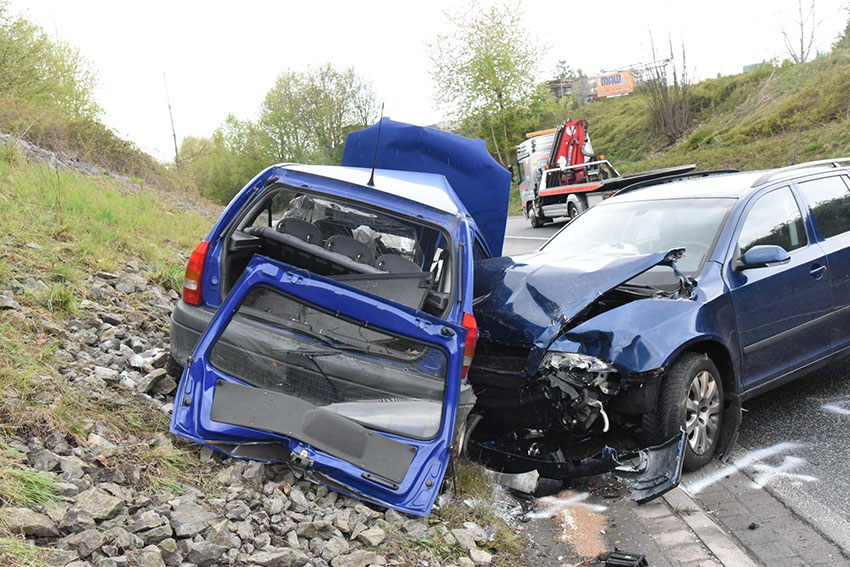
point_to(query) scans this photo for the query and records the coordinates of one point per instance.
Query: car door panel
(782, 312)
(829, 201)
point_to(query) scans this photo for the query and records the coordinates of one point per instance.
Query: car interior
(386, 255)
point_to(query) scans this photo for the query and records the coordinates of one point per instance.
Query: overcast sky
(222, 57)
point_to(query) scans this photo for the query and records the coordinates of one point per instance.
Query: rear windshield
(380, 380)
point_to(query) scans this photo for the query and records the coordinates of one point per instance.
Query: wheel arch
(719, 355)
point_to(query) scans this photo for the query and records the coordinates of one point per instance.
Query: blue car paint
(211, 292)
(416, 494)
(648, 335)
(530, 303)
(481, 184)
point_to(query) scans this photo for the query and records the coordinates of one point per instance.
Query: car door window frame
(818, 232)
(802, 208)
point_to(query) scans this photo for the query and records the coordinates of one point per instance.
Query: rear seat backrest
(302, 229)
(395, 264)
(350, 247)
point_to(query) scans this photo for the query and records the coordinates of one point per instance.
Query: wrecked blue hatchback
(326, 320)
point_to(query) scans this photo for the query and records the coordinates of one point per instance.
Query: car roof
(430, 189)
(721, 185)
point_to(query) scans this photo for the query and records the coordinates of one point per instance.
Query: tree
(43, 71)
(799, 43)
(306, 115)
(485, 72)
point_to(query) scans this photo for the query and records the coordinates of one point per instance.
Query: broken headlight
(576, 361)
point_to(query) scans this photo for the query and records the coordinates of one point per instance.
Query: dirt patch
(581, 524)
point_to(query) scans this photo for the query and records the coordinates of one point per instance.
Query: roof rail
(671, 178)
(770, 174)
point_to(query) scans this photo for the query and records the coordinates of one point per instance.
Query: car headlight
(578, 361)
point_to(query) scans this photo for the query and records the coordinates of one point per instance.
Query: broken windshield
(383, 381)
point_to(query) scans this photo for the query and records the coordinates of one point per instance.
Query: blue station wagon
(662, 308)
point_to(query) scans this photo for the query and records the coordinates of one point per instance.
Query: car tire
(535, 221)
(572, 211)
(172, 367)
(691, 396)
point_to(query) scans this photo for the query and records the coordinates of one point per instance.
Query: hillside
(747, 121)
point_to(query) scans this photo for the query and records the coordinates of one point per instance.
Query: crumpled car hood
(528, 300)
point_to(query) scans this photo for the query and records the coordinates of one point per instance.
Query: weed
(18, 552)
(22, 487)
(60, 297)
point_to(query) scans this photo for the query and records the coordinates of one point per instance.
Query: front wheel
(691, 396)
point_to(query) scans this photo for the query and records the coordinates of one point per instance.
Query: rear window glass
(382, 381)
(829, 199)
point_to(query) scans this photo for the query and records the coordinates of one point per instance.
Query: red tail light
(471, 327)
(192, 281)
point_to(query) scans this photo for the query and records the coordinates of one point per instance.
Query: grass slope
(748, 121)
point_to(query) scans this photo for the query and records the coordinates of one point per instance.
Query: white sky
(222, 57)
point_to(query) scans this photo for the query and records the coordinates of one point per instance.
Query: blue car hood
(481, 184)
(529, 300)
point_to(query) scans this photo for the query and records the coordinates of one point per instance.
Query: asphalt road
(810, 472)
(521, 238)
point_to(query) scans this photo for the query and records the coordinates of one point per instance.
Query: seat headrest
(350, 247)
(300, 229)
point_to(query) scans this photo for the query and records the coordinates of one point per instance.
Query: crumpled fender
(648, 334)
(530, 299)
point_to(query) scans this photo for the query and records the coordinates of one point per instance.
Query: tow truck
(560, 176)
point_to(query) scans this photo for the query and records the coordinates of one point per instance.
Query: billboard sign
(613, 84)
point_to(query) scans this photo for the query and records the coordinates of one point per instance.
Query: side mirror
(763, 256)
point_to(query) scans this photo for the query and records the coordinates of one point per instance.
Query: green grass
(17, 552)
(21, 486)
(747, 121)
(61, 228)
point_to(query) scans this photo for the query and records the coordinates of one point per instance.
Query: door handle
(817, 271)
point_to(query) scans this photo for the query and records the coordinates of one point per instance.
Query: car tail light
(192, 281)
(471, 327)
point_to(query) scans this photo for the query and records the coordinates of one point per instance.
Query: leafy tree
(44, 71)
(305, 117)
(485, 71)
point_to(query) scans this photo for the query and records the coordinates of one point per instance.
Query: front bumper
(186, 326)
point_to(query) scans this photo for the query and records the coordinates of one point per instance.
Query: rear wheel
(691, 396)
(536, 222)
(572, 211)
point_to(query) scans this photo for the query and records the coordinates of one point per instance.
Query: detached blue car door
(357, 391)
(782, 312)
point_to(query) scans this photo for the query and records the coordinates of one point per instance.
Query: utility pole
(171, 116)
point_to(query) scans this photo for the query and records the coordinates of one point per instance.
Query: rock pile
(247, 513)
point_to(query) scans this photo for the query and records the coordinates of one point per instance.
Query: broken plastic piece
(625, 559)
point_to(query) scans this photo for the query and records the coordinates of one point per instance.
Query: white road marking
(528, 237)
(841, 408)
(744, 461)
(768, 473)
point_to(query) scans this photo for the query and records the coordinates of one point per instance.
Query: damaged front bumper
(648, 472)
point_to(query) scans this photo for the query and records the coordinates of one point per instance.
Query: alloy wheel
(702, 412)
